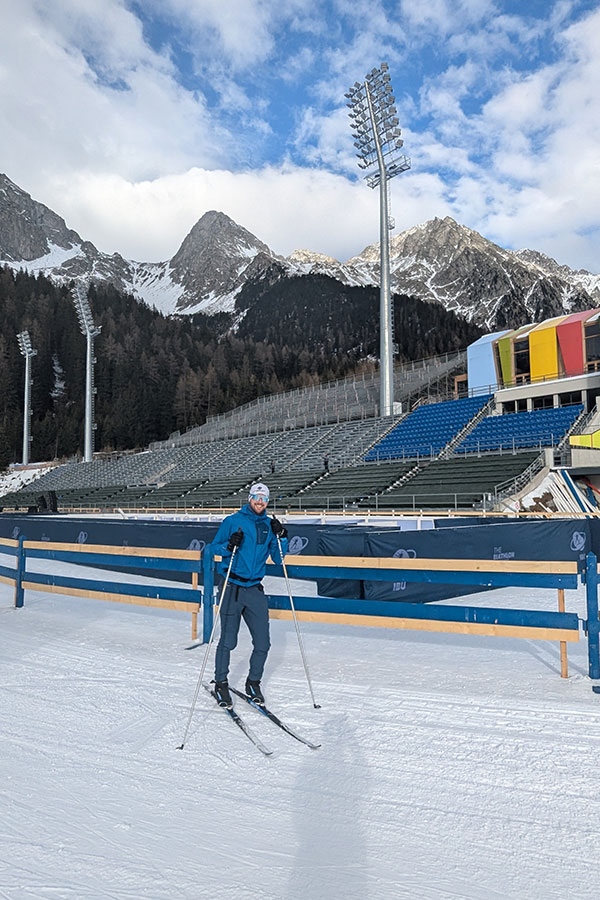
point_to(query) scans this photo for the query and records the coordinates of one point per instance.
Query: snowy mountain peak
(28, 229)
(310, 257)
(439, 261)
(212, 262)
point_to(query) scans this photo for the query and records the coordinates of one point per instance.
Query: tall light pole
(90, 332)
(377, 139)
(28, 352)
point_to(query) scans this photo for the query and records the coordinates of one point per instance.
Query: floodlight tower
(90, 332)
(377, 140)
(28, 352)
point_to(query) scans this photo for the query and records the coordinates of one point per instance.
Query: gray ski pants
(250, 604)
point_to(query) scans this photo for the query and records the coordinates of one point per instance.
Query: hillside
(156, 374)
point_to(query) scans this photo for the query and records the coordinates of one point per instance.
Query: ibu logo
(82, 537)
(195, 544)
(401, 553)
(297, 544)
(578, 539)
(16, 532)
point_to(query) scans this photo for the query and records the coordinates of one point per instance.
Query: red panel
(570, 341)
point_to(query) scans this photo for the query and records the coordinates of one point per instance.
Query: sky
(132, 119)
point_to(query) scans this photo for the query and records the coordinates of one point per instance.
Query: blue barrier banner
(562, 539)
(341, 542)
(157, 592)
(113, 561)
(113, 532)
(559, 539)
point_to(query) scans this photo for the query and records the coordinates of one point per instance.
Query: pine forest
(156, 374)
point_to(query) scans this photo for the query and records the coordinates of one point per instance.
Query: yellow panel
(585, 440)
(581, 440)
(543, 354)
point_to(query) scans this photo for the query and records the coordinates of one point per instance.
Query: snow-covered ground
(16, 477)
(450, 767)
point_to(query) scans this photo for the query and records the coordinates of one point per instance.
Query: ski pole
(289, 590)
(210, 640)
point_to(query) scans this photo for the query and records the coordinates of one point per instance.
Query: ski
(275, 719)
(241, 724)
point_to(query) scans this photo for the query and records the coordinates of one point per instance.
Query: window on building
(592, 346)
(498, 364)
(570, 398)
(521, 352)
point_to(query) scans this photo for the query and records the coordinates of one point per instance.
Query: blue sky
(131, 118)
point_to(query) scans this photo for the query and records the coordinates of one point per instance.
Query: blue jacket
(259, 543)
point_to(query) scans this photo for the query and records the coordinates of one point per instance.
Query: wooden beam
(156, 552)
(518, 631)
(532, 567)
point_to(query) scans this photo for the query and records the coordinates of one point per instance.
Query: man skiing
(253, 537)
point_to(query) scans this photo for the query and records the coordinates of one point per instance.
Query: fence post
(20, 572)
(564, 665)
(593, 624)
(207, 597)
(195, 587)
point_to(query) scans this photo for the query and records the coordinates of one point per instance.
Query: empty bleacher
(355, 397)
(448, 454)
(428, 429)
(514, 431)
(455, 483)
(346, 487)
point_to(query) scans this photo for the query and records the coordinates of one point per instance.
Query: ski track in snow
(451, 766)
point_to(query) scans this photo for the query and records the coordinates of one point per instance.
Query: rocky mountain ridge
(438, 261)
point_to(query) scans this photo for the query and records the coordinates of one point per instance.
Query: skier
(254, 538)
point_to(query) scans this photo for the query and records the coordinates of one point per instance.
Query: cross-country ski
(267, 713)
(235, 717)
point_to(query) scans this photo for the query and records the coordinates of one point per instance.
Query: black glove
(235, 540)
(278, 529)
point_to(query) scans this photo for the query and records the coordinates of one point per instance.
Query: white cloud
(443, 17)
(61, 112)
(104, 129)
(287, 207)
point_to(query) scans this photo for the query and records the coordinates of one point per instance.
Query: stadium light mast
(28, 352)
(377, 139)
(90, 332)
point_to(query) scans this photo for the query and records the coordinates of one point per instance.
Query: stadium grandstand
(468, 430)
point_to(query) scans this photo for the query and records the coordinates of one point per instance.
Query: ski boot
(222, 694)
(254, 692)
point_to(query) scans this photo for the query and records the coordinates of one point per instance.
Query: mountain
(439, 261)
(443, 262)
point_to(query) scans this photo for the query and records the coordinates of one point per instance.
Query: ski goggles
(261, 497)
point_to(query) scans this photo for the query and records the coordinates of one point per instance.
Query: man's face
(258, 503)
